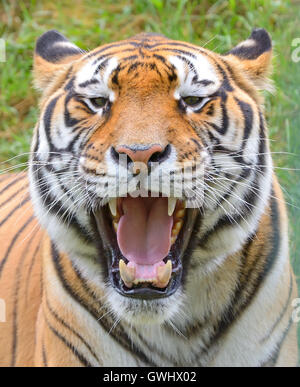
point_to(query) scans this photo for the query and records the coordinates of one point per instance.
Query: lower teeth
(162, 279)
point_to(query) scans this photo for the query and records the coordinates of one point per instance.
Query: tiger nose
(143, 153)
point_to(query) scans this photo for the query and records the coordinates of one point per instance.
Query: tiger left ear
(53, 53)
(254, 57)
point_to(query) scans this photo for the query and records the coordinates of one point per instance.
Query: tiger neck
(234, 281)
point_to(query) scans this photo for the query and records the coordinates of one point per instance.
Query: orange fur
(52, 307)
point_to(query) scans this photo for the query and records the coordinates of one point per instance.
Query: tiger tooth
(144, 281)
(177, 227)
(127, 273)
(113, 206)
(164, 274)
(180, 213)
(171, 205)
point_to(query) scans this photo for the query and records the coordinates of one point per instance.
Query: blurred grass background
(218, 24)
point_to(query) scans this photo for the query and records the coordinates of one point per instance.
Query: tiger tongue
(144, 230)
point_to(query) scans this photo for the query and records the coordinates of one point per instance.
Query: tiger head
(150, 162)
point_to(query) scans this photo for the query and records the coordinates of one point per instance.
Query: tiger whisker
(176, 330)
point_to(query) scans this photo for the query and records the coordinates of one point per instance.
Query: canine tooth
(180, 213)
(171, 205)
(173, 239)
(177, 227)
(179, 224)
(144, 281)
(164, 274)
(115, 224)
(127, 273)
(113, 206)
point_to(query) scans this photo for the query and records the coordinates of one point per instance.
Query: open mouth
(146, 238)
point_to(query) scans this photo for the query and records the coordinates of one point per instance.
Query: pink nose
(142, 153)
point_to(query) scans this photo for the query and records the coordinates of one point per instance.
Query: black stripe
(89, 82)
(58, 208)
(236, 80)
(115, 76)
(195, 328)
(13, 196)
(282, 313)
(226, 85)
(47, 121)
(251, 288)
(129, 58)
(248, 119)
(16, 236)
(225, 120)
(274, 357)
(190, 65)
(180, 44)
(30, 269)
(67, 287)
(5, 177)
(19, 206)
(204, 82)
(160, 46)
(249, 199)
(170, 69)
(105, 48)
(69, 121)
(87, 109)
(16, 300)
(121, 338)
(138, 43)
(84, 284)
(251, 196)
(177, 51)
(62, 322)
(75, 352)
(70, 84)
(102, 66)
(45, 361)
(12, 183)
(105, 57)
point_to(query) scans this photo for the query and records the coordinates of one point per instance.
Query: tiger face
(142, 161)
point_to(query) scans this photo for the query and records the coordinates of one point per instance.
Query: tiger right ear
(253, 56)
(53, 52)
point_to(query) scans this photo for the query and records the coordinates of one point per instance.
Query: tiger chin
(151, 229)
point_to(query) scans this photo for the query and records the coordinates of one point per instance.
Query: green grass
(218, 24)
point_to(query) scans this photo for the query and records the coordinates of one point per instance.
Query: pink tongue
(144, 231)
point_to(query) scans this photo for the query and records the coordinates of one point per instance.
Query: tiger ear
(53, 53)
(254, 56)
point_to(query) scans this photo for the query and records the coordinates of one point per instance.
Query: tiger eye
(99, 102)
(192, 100)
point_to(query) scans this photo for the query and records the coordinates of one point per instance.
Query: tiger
(101, 267)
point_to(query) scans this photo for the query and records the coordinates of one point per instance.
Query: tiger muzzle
(145, 240)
